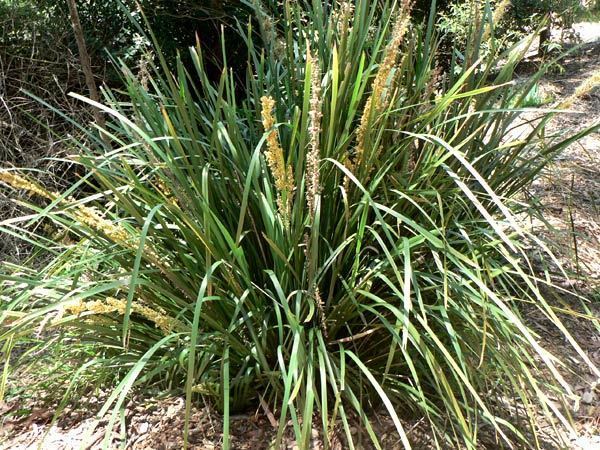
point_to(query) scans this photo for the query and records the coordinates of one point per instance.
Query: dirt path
(569, 192)
(570, 189)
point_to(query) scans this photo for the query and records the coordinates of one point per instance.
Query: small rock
(588, 397)
(588, 443)
(143, 427)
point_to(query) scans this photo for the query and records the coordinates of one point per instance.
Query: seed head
(21, 183)
(499, 12)
(321, 309)
(344, 16)
(382, 85)
(85, 215)
(283, 175)
(314, 132)
(110, 305)
(583, 89)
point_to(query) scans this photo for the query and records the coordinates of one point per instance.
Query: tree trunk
(86, 64)
(544, 38)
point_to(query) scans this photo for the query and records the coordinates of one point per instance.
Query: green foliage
(511, 20)
(458, 21)
(532, 9)
(535, 98)
(334, 232)
(590, 14)
(106, 26)
(51, 374)
(109, 27)
(461, 22)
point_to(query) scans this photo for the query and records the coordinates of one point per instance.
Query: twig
(572, 223)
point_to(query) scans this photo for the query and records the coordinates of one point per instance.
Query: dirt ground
(569, 192)
(570, 189)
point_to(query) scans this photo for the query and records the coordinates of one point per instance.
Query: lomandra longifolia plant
(334, 236)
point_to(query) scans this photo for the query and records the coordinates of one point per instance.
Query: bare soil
(569, 193)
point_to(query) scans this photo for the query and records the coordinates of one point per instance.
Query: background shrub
(512, 19)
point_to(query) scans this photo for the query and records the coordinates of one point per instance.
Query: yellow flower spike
(21, 183)
(166, 191)
(89, 217)
(283, 175)
(381, 92)
(75, 308)
(110, 305)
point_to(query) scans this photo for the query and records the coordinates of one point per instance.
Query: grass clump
(334, 233)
